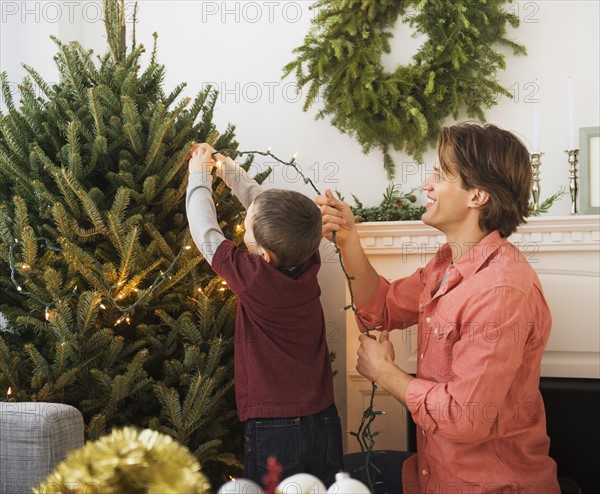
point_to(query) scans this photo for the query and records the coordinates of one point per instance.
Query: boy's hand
(202, 160)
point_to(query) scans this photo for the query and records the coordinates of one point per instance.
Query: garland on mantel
(455, 68)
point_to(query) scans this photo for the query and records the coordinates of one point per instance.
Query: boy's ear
(267, 255)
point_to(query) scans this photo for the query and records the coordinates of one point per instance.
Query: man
(482, 320)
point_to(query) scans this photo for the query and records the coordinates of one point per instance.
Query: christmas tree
(110, 306)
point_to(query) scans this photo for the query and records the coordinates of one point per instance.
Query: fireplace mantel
(558, 233)
(564, 251)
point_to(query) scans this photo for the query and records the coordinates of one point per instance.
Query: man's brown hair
(496, 161)
(288, 224)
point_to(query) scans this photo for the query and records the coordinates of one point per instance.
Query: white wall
(241, 47)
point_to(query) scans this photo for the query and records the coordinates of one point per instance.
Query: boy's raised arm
(200, 208)
(241, 184)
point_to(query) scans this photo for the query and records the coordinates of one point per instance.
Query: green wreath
(455, 68)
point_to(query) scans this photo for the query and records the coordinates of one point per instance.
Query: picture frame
(589, 170)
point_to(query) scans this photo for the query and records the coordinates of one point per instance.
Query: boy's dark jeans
(311, 444)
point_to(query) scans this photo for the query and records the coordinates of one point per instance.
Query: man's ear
(479, 198)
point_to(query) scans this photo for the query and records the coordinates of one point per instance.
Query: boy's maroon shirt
(282, 364)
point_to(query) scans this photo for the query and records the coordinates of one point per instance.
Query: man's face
(447, 200)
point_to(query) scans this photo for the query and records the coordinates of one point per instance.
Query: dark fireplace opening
(573, 425)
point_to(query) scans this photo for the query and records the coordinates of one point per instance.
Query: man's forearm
(357, 265)
(241, 184)
(395, 381)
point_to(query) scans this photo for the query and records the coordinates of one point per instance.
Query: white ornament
(345, 485)
(240, 486)
(301, 483)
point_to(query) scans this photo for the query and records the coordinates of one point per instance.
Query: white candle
(571, 109)
(536, 127)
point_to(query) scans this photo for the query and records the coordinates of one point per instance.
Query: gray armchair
(34, 438)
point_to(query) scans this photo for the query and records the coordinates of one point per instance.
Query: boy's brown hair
(288, 224)
(496, 161)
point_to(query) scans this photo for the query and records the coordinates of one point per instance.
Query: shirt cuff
(416, 395)
(372, 312)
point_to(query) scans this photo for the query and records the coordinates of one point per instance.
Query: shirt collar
(470, 263)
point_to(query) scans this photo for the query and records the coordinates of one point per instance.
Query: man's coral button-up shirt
(483, 323)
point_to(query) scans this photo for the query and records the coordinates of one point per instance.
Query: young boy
(283, 378)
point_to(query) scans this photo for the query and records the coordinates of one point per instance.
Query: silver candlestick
(573, 180)
(535, 188)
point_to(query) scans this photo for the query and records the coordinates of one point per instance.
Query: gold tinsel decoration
(128, 461)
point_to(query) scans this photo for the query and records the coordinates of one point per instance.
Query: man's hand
(374, 356)
(202, 159)
(336, 217)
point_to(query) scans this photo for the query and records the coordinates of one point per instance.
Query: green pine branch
(100, 292)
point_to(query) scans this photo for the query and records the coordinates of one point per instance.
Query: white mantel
(564, 251)
(557, 233)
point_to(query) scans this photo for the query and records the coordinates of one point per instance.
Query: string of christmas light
(364, 435)
(13, 278)
(125, 311)
(268, 153)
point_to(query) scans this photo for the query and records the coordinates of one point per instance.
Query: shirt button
(422, 355)
(435, 331)
(424, 472)
(428, 319)
(423, 432)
